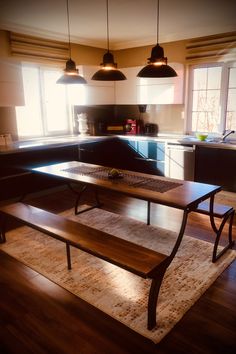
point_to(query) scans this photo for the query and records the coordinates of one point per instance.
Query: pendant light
(71, 74)
(109, 71)
(157, 63)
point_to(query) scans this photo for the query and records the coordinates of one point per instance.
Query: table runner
(127, 178)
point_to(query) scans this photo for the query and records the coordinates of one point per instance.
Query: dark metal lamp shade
(71, 75)
(157, 65)
(109, 71)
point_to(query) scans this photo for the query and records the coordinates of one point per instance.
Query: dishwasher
(180, 161)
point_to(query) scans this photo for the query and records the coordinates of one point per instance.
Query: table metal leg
(157, 279)
(79, 194)
(68, 256)
(148, 212)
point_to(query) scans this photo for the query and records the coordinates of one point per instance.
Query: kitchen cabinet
(167, 90)
(152, 153)
(112, 152)
(11, 84)
(136, 90)
(134, 155)
(216, 166)
(126, 91)
(94, 92)
(16, 178)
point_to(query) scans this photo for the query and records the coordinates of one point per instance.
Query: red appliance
(131, 127)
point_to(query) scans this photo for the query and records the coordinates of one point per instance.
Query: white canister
(83, 123)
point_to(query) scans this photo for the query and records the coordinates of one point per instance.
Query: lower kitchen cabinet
(134, 155)
(152, 153)
(16, 179)
(216, 166)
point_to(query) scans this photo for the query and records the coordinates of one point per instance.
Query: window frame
(224, 88)
(41, 68)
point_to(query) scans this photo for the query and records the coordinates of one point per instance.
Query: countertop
(53, 142)
(45, 143)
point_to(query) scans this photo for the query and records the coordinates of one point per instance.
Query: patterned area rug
(117, 292)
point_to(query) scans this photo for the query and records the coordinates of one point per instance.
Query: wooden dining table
(174, 193)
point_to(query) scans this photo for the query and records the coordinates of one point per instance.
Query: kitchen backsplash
(168, 118)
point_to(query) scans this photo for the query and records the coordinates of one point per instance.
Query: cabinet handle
(143, 159)
(85, 150)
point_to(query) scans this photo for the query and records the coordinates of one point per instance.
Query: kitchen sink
(231, 142)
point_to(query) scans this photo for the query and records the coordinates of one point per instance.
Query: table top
(157, 189)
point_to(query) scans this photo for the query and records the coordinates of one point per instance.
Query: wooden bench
(225, 213)
(139, 260)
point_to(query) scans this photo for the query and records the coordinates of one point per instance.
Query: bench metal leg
(2, 237)
(228, 217)
(3, 229)
(68, 256)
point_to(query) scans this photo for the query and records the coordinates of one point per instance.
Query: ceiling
(132, 23)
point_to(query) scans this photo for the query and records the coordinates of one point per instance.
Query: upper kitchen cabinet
(150, 90)
(126, 91)
(11, 84)
(94, 92)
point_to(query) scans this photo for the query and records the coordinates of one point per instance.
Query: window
(231, 101)
(212, 105)
(47, 109)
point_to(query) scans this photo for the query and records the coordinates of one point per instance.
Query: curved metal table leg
(79, 194)
(157, 278)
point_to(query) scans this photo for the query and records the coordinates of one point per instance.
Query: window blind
(30, 47)
(220, 47)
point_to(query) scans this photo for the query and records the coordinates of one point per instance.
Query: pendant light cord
(107, 28)
(68, 24)
(158, 10)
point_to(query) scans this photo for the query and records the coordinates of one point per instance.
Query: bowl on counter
(201, 136)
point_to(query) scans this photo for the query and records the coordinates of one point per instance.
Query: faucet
(227, 133)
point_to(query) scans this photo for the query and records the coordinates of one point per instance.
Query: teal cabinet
(129, 154)
(150, 151)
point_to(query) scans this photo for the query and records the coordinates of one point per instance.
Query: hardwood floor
(37, 316)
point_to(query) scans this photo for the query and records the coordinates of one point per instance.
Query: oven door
(180, 161)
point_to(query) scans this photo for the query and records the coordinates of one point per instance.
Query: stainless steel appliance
(180, 161)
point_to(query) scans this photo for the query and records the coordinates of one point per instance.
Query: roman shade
(220, 47)
(30, 47)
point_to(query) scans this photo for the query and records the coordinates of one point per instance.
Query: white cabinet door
(11, 84)
(167, 90)
(94, 92)
(136, 90)
(126, 91)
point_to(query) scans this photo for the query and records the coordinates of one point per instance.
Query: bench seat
(139, 260)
